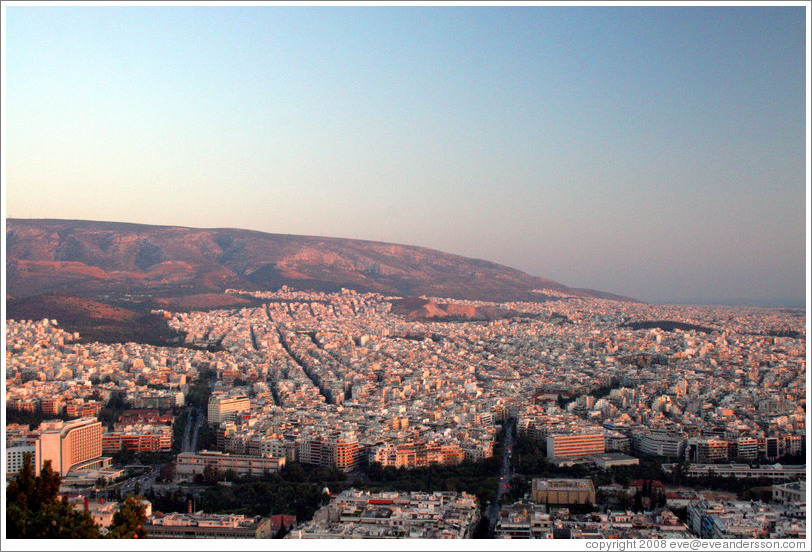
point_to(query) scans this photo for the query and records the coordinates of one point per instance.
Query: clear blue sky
(656, 152)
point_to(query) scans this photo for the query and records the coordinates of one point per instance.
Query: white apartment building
(15, 457)
(193, 463)
(220, 406)
(659, 444)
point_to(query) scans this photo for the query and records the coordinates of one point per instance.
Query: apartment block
(144, 438)
(524, 521)
(343, 452)
(659, 444)
(220, 406)
(575, 444)
(418, 454)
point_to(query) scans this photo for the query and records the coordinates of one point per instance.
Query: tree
(128, 522)
(210, 474)
(34, 510)
(168, 471)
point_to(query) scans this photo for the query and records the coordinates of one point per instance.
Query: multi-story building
(259, 445)
(794, 492)
(575, 444)
(341, 451)
(418, 454)
(361, 514)
(220, 406)
(69, 444)
(16, 453)
(563, 491)
(717, 520)
(524, 521)
(79, 408)
(52, 405)
(659, 444)
(745, 448)
(101, 510)
(193, 463)
(776, 471)
(705, 450)
(207, 526)
(144, 438)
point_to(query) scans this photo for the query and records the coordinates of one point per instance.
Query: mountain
(127, 263)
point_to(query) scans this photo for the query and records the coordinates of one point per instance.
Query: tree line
(34, 510)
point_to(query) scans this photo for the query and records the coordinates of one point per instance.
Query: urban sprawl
(339, 380)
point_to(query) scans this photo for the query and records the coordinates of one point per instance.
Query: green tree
(128, 522)
(210, 474)
(34, 511)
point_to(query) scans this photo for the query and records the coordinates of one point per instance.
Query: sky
(651, 151)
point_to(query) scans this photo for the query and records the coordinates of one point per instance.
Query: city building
(193, 463)
(418, 454)
(524, 521)
(774, 471)
(101, 510)
(563, 491)
(575, 444)
(70, 444)
(746, 520)
(389, 515)
(793, 492)
(140, 438)
(16, 454)
(659, 444)
(221, 406)
(207, 526)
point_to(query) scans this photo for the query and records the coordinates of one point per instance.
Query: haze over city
(654, 152)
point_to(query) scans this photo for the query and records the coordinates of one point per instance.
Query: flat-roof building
(193, 463)
(207, 526)
(361, 514)
(575, 444)
(219, 407)
(563, 491)
(67, 444)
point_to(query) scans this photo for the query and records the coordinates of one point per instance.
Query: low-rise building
(742, 471)
(563, 491)
(575, 444)
(745, 520)
(794, 492)
(193, 463)
(361, 514)
(207, 526)
(524, 521)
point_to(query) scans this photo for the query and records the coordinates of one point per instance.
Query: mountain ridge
(113, 258)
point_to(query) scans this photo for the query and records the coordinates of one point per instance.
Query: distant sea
(765, 303)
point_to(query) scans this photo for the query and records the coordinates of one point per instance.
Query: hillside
(127, 263)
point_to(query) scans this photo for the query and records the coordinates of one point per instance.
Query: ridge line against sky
(654, 152)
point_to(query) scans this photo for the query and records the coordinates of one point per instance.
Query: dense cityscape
(570, 417)
(405, 275)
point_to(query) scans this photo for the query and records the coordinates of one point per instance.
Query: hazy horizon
(653, 152)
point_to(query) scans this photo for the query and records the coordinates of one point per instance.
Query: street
(506, 475)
